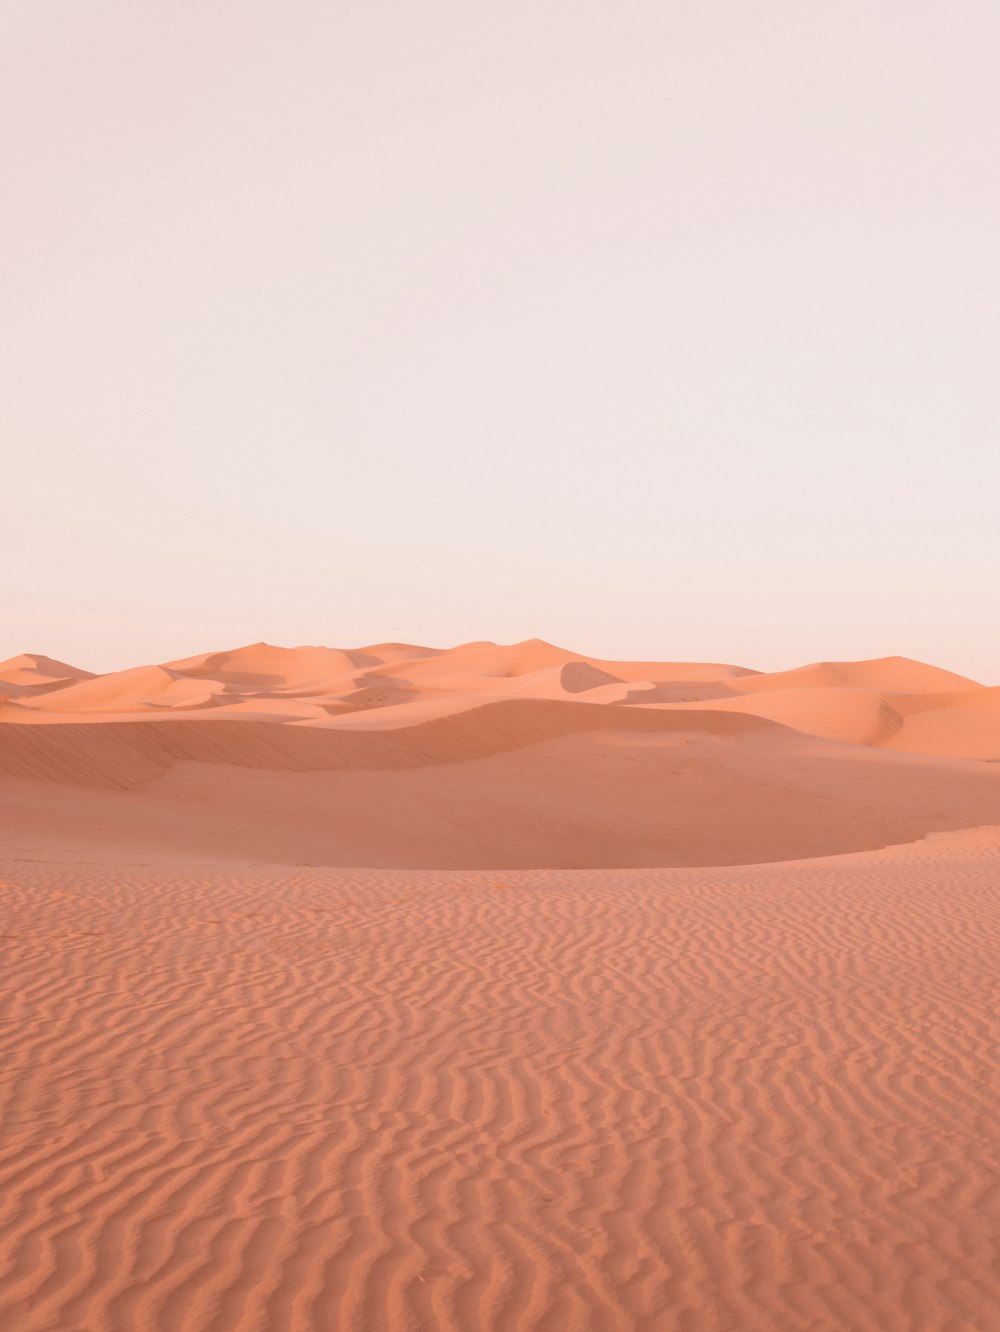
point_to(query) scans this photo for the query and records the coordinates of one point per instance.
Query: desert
(497, 987)
(499, 666)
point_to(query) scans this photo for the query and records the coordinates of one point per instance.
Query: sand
(892, 702)
(393, 988)
(395, 756)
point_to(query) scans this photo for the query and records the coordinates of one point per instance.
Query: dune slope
(523, 783)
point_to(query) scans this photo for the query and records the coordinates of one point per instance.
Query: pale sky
(653, 329)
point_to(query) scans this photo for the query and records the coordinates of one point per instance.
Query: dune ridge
(519, 783)
(123, 754)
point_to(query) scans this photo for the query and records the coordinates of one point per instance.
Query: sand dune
(521, 755)
(392, 685)
(965, 725)
(405, 988)
(898, 674)
(29, 675)
(520, 782)
(758, 1098)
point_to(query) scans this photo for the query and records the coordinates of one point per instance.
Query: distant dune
(490, 755)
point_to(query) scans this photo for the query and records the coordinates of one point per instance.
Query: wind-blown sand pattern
(751, 1097)
(402, 989)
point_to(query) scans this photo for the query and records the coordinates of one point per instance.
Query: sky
(657, 330)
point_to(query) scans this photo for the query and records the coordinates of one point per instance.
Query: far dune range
(521, 756)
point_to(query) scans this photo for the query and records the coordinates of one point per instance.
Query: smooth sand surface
(497, 989)
(752, 1098)
(523, 784)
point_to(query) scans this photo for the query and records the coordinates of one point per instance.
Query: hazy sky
(654, 329)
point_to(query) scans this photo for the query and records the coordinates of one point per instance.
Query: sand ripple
(755, 1098)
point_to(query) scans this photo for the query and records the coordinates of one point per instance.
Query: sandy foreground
(759, 1097)
(404, 989)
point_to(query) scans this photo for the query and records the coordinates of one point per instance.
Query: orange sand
(663, 1086)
